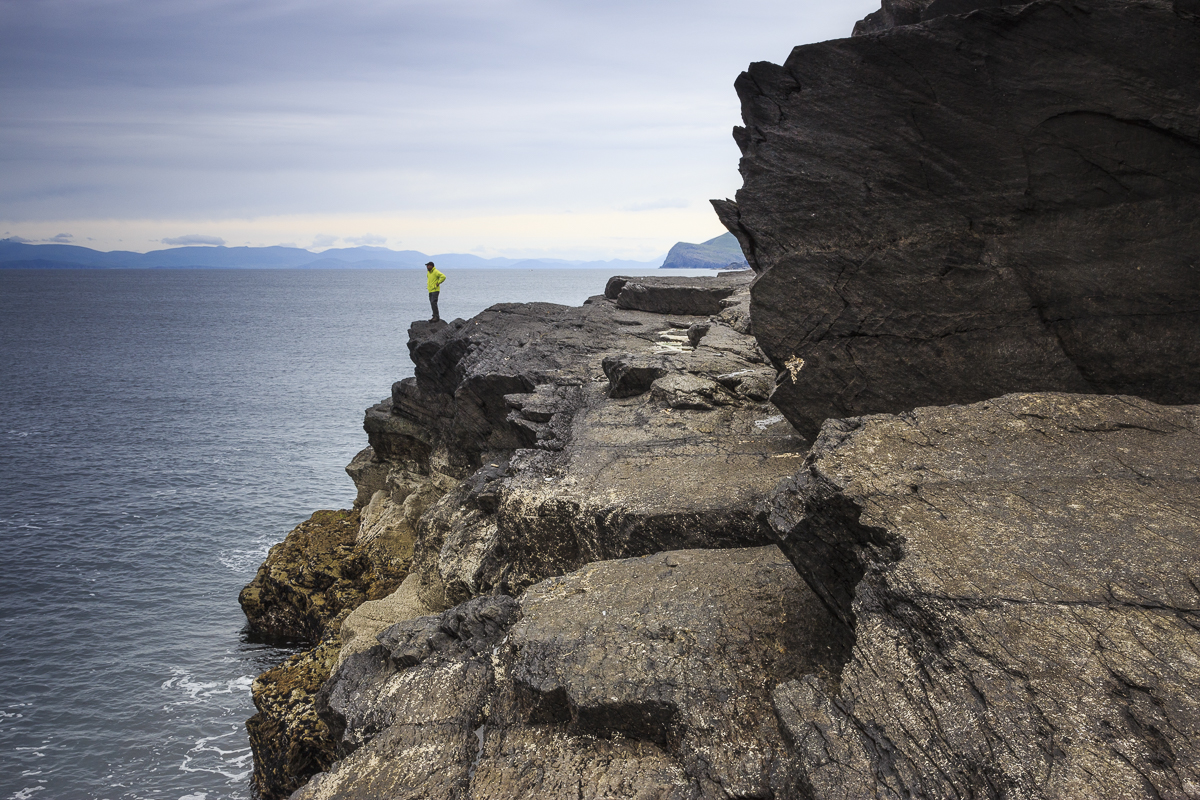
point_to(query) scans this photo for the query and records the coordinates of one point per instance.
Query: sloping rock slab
(1005, 200)
(646, 677)
(1022, 577)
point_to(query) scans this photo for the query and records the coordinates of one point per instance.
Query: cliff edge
(909, 511)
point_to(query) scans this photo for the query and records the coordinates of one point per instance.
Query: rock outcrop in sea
(661, 545)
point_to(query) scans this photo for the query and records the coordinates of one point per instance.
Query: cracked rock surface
(646, 677)
(533, 440)
(1022, 580)
(959, 205)
(584, 434)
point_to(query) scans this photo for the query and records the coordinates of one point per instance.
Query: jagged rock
(634, 476)
(1006, 200)
(368, 620)
(646, 677)
(684, 390)
(518, 452)
(1019, 581)
(560, 462)
(308, 585)
(909, 12)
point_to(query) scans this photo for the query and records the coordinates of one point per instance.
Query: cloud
(200, 110)
(61, 238)
(366, 239)
(324, 240)
(193, 238)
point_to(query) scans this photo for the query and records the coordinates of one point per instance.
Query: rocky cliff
(626, 574)
(977, 203)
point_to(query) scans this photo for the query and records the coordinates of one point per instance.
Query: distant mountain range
(18, 255)
(723, 252)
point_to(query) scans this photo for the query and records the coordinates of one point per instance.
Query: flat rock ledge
(1022, 579)
(645, 677)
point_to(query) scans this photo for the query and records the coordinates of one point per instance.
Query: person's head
(429, 266)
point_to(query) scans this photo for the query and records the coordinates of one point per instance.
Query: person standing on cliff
(434, 282)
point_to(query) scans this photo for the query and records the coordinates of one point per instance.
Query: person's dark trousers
(433, 298)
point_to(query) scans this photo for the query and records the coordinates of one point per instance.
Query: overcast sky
(500, 127)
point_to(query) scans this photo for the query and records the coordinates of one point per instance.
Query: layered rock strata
(533, 440)
(1022, 579)
(954, 205)
(583, 434)
(647, 677)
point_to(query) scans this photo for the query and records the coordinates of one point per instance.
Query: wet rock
(289, 740)
(1018, 580)
(308, 579)
(643, 677)
(326, 567)
(964, 205)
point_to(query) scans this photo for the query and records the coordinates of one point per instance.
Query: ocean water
(159, 431)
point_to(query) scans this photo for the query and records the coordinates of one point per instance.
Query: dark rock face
(646, 677)
(1020, 579)
(909, 12)
(964, 205)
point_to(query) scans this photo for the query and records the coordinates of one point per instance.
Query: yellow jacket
(433, 279)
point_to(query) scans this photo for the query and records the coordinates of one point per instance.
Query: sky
(521, 128)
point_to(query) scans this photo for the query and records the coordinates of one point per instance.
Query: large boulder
(647, 677)
(961, 205)
(1020, 584)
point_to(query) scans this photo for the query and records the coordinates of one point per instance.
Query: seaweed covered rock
(1019, 581)
(326, 567)
(960, 205)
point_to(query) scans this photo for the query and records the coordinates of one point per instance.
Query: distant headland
(16, 254)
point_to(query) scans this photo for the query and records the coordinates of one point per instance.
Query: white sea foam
(207, 755)
(243, 561)
(198, 690)
(26, 793)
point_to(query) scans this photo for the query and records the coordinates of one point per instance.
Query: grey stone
(646, 677)
(1018, 579)
(676, 295)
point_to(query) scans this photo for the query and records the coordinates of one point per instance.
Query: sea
(159, 431)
